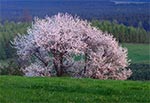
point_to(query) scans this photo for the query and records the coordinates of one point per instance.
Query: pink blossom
(62, 36)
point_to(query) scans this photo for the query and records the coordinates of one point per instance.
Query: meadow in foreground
(14, 89)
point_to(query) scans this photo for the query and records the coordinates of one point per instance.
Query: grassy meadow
(138, 53)
(14, 89)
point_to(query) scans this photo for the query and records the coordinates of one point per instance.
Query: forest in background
(130, 14)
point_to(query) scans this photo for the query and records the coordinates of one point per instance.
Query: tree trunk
(58, 64)
(85, 61)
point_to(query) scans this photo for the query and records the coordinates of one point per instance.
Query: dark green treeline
(124, 34)
(8, 30)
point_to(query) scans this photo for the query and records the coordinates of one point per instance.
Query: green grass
(138, 53)
(15, 89)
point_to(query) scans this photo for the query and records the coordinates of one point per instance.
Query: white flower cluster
(62, 36)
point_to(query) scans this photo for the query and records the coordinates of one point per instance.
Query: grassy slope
(68, 90)
(138, 53)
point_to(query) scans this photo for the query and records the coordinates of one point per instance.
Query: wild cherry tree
(52, 42)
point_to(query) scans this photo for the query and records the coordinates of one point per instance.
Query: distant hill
(130, 1)
(128, 14)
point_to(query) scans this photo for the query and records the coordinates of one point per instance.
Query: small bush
(10, 67)
(140, 71)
